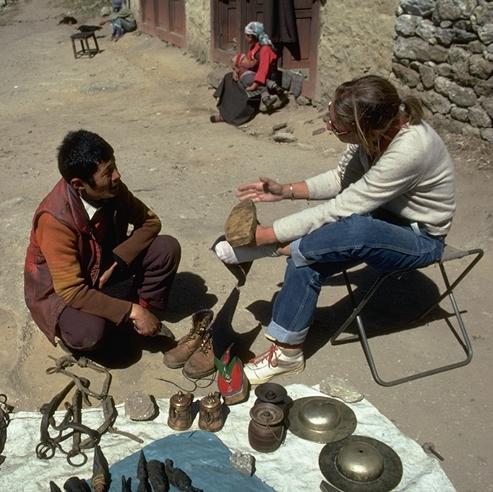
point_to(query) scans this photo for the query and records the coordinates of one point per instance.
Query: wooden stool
(84, 37)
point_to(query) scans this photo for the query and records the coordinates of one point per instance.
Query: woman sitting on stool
(394, 163)
(238, 99)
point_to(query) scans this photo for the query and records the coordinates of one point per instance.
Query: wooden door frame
(163, 32)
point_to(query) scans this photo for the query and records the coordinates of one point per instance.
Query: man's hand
(145, 323)
(107, 274)
(263, 190)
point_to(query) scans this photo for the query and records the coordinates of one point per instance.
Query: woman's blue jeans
(335, 247)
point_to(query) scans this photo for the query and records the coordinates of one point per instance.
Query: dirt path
(152, 103)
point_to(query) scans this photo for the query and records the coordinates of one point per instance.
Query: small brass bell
(180, 411)
(211, 416)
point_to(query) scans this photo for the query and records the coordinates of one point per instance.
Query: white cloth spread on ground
(293, 467)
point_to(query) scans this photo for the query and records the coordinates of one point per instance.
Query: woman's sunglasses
(332, 128)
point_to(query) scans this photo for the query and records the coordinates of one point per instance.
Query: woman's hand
(252, 87)
(264, 190)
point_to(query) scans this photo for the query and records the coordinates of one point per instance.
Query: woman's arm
(266, 57)
(396, 172)
(268, 190)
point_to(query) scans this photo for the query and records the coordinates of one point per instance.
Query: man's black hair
(80, 153)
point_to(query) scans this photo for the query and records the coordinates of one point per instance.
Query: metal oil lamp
(266, 429)
(273, 393)
(211, 417)
(180, 411)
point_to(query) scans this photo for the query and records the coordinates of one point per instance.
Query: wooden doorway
(164, 19)
(230, 16)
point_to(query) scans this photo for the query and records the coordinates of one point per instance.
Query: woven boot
(187, 345)
(201, 363)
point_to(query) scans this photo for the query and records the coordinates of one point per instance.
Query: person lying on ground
(389, 204)
(84, 274)
(237, 101)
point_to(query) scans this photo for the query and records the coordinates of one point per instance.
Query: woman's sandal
(216, 118)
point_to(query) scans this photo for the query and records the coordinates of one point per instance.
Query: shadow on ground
(188, 295)
(393, 307)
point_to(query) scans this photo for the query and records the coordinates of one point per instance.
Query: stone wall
(355, 38)
(443, 52)
(199, 28)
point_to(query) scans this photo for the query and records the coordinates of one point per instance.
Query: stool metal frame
(450, 253)
(84, 37)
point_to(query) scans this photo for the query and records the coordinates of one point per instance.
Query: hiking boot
(187, 345)
(201, 363)
(276, 360)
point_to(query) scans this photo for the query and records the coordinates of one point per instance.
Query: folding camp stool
(450, 253)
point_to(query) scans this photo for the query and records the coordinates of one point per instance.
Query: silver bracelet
(292, 192)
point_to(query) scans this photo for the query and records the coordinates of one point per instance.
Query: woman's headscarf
(257, 29)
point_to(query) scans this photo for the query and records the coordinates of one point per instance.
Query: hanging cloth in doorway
(280, 21)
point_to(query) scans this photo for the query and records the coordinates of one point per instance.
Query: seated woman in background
(389, 204)
(236, 98)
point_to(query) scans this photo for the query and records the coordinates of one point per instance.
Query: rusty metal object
(157, 476)
(266, 429)
(179, 478)
(429, 448)
(211, 415)
(5, 410)
(54, 487)
(101, 477)
(142, 474)
(47, 445)
(75, 484)
(180, 411)
(71, 425)
(360, 464)
(126, 484)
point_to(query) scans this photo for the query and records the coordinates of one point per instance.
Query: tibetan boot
(187, 345)
(201, 363)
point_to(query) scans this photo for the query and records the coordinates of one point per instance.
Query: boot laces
(268, 355)
(206, 343)
(194, 332)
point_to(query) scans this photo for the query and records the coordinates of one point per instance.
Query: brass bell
(211, 417)
(180, 411)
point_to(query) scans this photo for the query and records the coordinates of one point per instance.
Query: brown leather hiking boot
(201, 363)
(187, 345)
